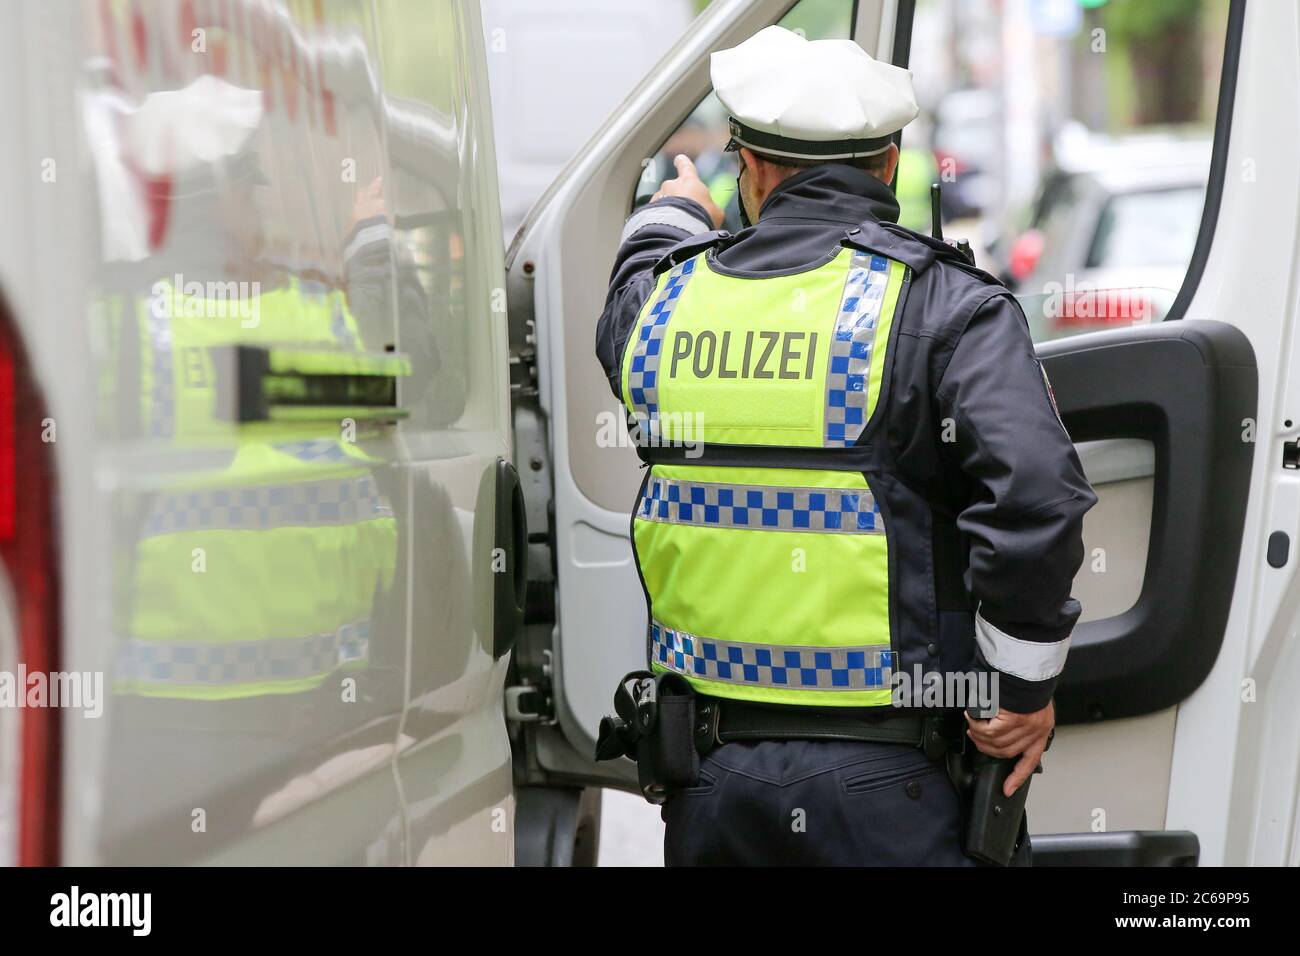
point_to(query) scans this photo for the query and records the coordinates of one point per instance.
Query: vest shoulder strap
(915, 250)
(690, 247)
(892, 242)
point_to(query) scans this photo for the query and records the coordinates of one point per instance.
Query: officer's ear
(763, 175)
(747, 159)
(885, 171)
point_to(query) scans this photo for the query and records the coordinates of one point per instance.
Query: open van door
(586, 614)
(1177, 702)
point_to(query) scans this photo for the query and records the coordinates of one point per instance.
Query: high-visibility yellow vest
(259, 577)
(766, 584)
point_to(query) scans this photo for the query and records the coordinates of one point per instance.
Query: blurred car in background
(967, 140)
(1110, 235)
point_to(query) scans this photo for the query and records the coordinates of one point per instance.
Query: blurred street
(631, 832)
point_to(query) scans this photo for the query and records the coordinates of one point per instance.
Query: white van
(259, 392)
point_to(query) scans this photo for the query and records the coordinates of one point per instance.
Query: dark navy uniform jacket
(971, 427)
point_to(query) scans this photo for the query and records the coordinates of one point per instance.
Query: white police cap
(209, 121)
(793, 98)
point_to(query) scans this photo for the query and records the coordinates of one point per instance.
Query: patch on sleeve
(1051, 396)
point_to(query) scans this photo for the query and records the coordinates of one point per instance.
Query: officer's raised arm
(1028, 496)
(680, 209)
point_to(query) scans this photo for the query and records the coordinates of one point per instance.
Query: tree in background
(1163, 43)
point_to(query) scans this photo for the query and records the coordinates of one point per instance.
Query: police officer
(885, 498)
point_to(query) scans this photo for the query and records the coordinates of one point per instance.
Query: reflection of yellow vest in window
(767, 584)
(259, 577)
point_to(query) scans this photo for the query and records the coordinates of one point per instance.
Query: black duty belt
(720, 721)
(664, 725)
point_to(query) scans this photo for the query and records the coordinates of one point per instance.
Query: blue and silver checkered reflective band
(851, 346)
(761, 507)
(642, 378)
(242, 662)
(328, 501)
(315, 450)
(771, 665)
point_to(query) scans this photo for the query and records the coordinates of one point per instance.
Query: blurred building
(557, 69)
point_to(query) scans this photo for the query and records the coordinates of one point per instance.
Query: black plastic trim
(244, 392)
(510, 587)
(1279, 549)
(1125, 848)
(1218, 161)
(904, 15)
(902, 53)
(1190, 388)
(252, 365)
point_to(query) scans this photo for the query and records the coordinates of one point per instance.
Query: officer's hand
(1012, 735)
(689, 186)
(369, 201)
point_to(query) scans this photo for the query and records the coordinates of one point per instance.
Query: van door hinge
(526, 704)
(532, 703)
(523, 364)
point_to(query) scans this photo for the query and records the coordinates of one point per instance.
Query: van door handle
(510, 583)
(287, 384)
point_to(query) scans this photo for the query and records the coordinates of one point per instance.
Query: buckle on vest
(692, 246)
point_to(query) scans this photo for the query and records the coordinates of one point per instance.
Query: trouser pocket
(876, 779)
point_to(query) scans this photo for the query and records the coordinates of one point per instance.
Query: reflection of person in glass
(886, 498)
(254, 573)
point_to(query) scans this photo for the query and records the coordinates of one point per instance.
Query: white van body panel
(405, 759)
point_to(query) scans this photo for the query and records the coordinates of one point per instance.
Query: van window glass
(703, 135)
(1072, 145)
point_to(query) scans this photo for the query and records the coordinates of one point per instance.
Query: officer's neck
(832, 191)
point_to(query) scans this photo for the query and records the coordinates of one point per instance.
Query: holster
(993, 829)
(655, 726)
(993, 823)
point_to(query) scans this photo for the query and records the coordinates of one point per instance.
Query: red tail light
(28, 552)
(948, 163)
(1025, 253)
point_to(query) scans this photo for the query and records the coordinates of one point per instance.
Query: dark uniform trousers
(817, 803)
